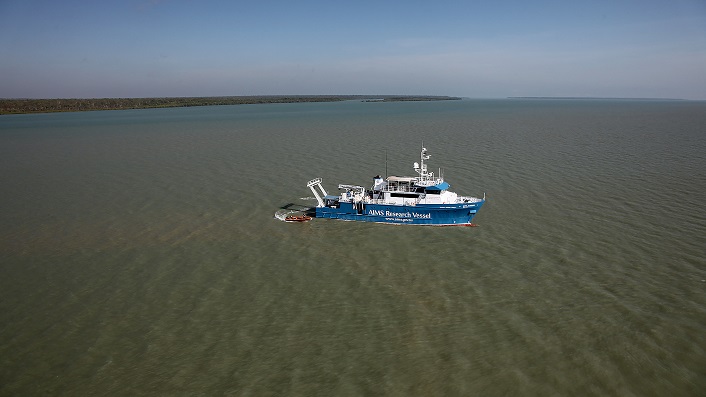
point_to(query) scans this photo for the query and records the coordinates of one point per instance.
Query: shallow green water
(139, 254)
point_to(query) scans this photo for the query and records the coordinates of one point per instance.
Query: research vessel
(424, 199)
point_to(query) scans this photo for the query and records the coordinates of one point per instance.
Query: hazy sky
(480, 49)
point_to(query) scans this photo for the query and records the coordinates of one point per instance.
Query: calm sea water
(139, 254)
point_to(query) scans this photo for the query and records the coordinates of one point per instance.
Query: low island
(23, 106)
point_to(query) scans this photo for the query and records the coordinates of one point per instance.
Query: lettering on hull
(402, 215)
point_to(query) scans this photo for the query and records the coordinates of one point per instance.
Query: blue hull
(421, 214)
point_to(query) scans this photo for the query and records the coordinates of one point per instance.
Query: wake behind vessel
(421, 200)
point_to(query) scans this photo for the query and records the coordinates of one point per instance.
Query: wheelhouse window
(405, 195)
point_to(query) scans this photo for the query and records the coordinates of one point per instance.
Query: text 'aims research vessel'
(420, 200)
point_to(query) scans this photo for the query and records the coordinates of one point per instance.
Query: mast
(421, 168)
(424, 156)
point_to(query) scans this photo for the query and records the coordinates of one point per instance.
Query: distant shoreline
(595, 98)
(27, 106)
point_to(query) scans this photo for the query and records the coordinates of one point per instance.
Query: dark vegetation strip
(20, 106)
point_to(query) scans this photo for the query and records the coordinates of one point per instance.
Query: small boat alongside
(297, 218)
(421, 200)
